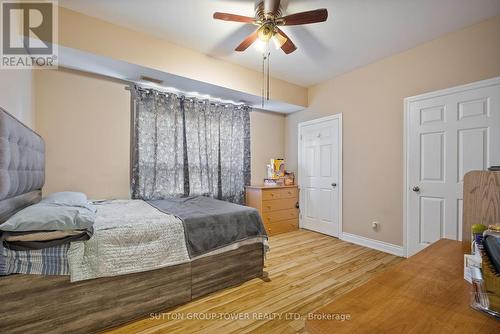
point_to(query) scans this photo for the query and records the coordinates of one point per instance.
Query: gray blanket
(210, 224)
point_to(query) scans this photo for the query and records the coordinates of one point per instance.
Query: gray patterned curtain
(158, 157)
(185, 146)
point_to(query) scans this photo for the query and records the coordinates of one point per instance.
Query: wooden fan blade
(233, 17)
(287, 47)
(248, 41)
(313, 16)
(271, 6)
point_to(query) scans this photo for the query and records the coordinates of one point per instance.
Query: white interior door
(448, 135)
(320, 175)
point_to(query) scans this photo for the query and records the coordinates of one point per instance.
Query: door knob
(334, 184)
(416, 189)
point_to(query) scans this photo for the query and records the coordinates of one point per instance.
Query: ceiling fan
(268, 18)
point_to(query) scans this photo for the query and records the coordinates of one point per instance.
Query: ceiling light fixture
(278, 40)
(268, 18)
(261, 46)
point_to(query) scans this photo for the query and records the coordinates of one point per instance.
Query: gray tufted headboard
(22, 166)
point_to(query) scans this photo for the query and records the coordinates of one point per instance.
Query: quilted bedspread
(129, 236)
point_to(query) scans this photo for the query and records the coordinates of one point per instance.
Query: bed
(52, 303)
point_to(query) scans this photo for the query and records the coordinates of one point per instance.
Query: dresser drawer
(289, 193)
(279, 204)
(282, 226)
(276, 216)
(268, 194)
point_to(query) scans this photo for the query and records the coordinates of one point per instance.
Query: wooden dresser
(277, 206)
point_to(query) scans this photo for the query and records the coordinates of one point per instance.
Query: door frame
(340, 181)
(406, 142)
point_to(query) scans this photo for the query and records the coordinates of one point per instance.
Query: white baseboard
(372, 243)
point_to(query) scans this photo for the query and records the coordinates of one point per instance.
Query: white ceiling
(357, 32)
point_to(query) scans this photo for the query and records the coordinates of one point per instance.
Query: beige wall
(371, 100)
(85, 121)
(103, 38)
(16, 94)
(267, 141)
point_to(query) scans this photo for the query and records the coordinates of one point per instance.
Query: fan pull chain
(266, 77)
(263, 78)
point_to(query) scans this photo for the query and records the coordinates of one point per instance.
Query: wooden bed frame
(43, 304)
(51, 304)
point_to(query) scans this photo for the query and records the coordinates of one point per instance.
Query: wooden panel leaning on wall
(481, 203)
(277, 205)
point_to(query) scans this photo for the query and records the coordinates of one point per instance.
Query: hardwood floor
(306, 271)
(426, 293)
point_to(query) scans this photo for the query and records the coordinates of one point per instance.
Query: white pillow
(69, 198)
(50, 217)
